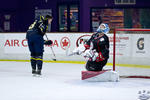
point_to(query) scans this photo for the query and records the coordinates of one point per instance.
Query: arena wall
(14, 46)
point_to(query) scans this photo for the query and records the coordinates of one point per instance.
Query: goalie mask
(103, 28)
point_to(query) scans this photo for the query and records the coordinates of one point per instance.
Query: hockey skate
(33, 72)
(38, 73)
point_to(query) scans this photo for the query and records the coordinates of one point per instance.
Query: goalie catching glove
(92, 55)
(48, 42)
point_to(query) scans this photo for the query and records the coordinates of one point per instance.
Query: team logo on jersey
(65, 43)
(140, 43)
(144, 95)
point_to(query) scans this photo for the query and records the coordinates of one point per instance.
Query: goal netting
(131, 52)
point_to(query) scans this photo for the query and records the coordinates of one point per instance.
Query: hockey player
(96, 49)
(36, 42)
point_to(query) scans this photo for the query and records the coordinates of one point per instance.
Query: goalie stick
(70, 53)
(51, 50)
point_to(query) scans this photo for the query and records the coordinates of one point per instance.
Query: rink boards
(13, 46)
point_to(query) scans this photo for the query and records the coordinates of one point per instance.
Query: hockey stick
(76, 52)
(51, 50)
(70, 53)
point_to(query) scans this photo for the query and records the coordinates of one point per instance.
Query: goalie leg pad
(100, 76)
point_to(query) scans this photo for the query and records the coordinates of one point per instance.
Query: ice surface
(61, 81)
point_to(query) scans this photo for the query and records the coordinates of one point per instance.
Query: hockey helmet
(104, 28)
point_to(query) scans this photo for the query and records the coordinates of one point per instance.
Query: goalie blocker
(100, 76)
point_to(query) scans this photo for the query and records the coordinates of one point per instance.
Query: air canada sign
(16, 42)
(22, 43)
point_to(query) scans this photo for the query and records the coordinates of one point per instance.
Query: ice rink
(62, 81)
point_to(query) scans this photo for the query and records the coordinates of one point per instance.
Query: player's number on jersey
(32, 25)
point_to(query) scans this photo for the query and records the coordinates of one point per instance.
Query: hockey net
(131, 53)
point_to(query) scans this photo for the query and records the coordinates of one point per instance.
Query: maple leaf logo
(65, 43)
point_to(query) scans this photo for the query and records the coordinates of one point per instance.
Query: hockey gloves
(48, 42)
(92, 55)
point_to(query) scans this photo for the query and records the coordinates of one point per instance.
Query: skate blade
(36, 75)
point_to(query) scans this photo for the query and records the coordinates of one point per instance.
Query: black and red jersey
(100, 43)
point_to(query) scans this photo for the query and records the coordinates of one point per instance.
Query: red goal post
(127, 31)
